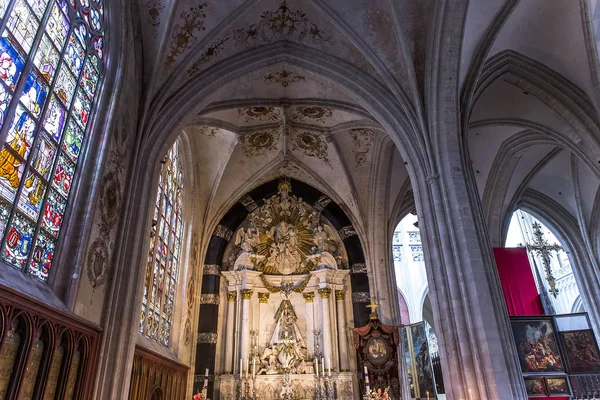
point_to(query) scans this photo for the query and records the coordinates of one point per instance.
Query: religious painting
(558, 386)
(535, 386)
(537, 345)
(378, 351)
(581, 351)
(423, 368)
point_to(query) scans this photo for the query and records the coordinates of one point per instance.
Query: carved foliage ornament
(223, 232)
(260, 114)
(359, 268)
(210, 338)
(311, 114)
(259, 143)
(361, 297)
(281, 24)
(184, 33)
(363, 140)
(284, 78)
(231, 296)
(312, 145)
(211, 269)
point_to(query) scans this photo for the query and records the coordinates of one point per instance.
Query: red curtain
(518, 285)
(519, 288)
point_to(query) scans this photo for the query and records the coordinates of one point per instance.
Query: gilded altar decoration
(259, 143)
(209, 299)
(210, 338)
(363, 140)
(211, 269)
(263, 298)
(247, 294)
(282, 24)
(322, 203)
(325, 293)
(361, 297)
(184, 33)
(285, 236)
(340, 295)
(231, 296)
(311, 114)
(378, 394)
(249, 203)
(284, 77)
(312, 145)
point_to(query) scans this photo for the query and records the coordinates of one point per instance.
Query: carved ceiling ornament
(155, 7)
(260, 114)
(259, 143)
(284, 77)
(282, 24)
(208, 131)
(312, 145)
(311, 114)
(214, 50)
(363, 141)
(285, 236)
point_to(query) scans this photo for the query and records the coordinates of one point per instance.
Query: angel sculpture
(322, 256)
(247, 240)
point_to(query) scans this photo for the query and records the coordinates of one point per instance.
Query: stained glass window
(163, 259)
(50, 68)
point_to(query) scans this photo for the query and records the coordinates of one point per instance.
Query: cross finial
(373, 306)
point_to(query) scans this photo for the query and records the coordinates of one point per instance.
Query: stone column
(263, 298)
(340, 296)
(230, 329)
(309, 298)
(245, 324)
(326, 329)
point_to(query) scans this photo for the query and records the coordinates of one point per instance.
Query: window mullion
(9, 8)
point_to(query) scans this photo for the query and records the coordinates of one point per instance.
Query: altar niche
(287, 312)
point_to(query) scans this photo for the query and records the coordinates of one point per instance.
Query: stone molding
(209, 299)
(361, 297)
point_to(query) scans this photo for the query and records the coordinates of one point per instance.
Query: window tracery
(160, 283)
(51, 63)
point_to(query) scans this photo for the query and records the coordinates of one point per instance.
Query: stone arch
(229, 224)
(565, 226)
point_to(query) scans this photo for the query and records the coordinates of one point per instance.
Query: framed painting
(558, 386)
(537, 345)
(536, 387)
(581, 351)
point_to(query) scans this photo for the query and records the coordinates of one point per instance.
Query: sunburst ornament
(285, 237)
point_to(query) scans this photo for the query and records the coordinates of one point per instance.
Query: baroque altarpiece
(287, 319)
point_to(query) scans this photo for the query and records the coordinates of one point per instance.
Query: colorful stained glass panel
(3, 7)
(4, 102)
(63, 176)
(54, 122)
(38, 7)
(73, 140)
(11, 62)
(4, 214)
(11, 171)
(32, 194)
(43, 156)
(58, 26)
(74, 56)
(89, 78)
(81, 109)
(43, 253)
(46, 58)
(18, 241)
(21, 133)
(34, 93)
(65, 86)
(54, 210)
(23, 25)
(95, 19)
(99, 46)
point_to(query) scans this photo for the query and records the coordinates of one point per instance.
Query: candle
(253, 367)
(317, 366)
(247, 368)
(329, 362)
(427, 395)
(323, 365)
(241, 366)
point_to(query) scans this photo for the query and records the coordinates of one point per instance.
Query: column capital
(340, 294)
(247, 294)
(325, 293)
(231, 296)
(309, 297)
(263, 297)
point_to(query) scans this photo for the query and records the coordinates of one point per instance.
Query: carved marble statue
(247, 240)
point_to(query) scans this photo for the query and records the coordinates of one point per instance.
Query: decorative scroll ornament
(209, 299)
(361, 297)
(322, 203)
(359, 268)
(309, 297)
(259, 143)
(260, 114)
(285, 236)
(210, 338)
(363, 140)
(249, 203)
(223, 232)
(312, 145)
(286, 288)
(284, 78)
(231, 296)
(311, 114)
(340, 294)
(211, 269)
(347, 231)
(263, 298)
